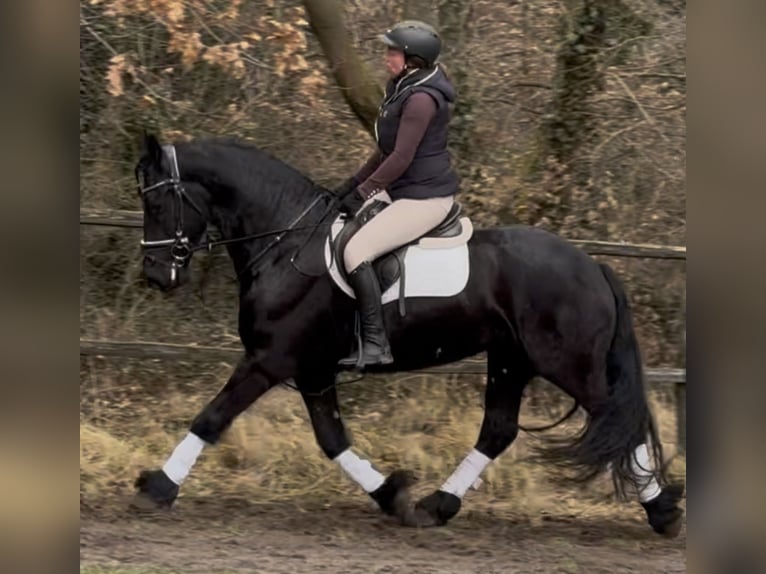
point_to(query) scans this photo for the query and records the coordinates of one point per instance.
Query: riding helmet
(414, 38)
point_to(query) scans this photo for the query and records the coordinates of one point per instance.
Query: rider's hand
(351, 203)
(345, 188)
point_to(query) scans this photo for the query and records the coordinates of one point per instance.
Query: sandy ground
(239, 536)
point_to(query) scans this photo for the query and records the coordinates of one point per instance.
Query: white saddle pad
(432, 271)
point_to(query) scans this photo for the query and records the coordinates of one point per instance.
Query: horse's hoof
(440, 506)
(673, 528)
(664, 515)
(417, 517)
(154, 490)
(393, 495)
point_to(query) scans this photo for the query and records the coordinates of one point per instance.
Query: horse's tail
(627, 420)
(620, 424)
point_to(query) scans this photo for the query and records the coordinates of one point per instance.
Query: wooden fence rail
(134, 219)
(178, 352)
(475, 365)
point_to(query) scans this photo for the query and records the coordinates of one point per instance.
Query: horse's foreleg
(505, 384)
(246, 384)
(333, 440)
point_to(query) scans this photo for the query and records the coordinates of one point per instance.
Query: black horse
(536, 304)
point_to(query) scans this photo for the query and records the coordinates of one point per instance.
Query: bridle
(181, 249)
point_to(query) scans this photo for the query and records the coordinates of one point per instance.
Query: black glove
(345, 188)
(351, 203)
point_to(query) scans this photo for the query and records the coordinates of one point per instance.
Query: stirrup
(347, 361)
(353, 360)
(359, 362)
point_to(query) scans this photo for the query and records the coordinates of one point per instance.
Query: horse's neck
(243, 205)
(248, 212)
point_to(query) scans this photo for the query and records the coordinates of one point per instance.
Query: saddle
(390, 267)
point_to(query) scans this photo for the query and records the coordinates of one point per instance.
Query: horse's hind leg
(601, 367)
(159, 488)
(389, 492)
(591, 392)
(507, 375)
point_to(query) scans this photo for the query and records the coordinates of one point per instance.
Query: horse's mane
(252, 159)
(251, 170)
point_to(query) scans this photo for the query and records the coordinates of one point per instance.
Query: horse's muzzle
(163, 275)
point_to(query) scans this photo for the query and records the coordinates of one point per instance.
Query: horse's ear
(152, 148)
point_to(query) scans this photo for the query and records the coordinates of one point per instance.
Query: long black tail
(627, 413)
(621, 423)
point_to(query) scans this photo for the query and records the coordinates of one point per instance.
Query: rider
(411, 168)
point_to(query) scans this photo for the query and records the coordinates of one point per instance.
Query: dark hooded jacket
(430, 174)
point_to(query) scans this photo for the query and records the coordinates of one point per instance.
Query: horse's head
(174, 221)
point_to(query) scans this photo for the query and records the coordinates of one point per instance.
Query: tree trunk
(357, 85)
(586, 29)
(570, 127)
(577, 77)
(454, 25)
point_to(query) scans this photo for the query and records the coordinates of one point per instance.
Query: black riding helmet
(414, 38)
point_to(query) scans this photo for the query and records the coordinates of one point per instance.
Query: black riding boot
(375, 348)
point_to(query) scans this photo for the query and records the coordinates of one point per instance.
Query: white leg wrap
(360, 470)
(467, 474)
(648, 489)
(183, 458)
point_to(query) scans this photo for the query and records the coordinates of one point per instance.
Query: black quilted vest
(430, 174)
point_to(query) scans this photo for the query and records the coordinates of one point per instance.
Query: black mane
(242, 173)
(247, 162)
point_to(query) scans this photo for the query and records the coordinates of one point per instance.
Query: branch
(530, 85)
(597, 150)
(108, 46)
(358, 87)
(96, 35)
(644, 113)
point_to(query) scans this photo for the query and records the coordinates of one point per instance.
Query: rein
(180, 249)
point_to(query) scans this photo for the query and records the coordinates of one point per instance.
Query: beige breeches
(401, 222)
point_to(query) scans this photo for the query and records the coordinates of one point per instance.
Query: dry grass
(270, 452)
